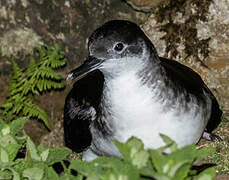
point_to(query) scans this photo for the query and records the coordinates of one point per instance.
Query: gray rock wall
(196, 33)
(25, 24)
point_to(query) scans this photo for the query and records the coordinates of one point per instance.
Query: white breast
(136, 112)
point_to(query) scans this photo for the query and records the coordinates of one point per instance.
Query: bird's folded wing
(81, 107)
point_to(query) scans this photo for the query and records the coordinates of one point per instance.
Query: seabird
(125, 89)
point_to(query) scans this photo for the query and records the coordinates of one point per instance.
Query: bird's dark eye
(119, 47)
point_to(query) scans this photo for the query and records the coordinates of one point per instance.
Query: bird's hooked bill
(88, 66)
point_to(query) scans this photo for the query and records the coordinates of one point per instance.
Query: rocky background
(193, 32)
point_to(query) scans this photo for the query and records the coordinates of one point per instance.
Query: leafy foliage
(35, 163)
(38, 77)
(137, 163)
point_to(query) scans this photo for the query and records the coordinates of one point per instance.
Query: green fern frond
(40, 76)
(16, 81)
(56, 64)
(34, 111)
(16, 103)
(53, 57)
(49, 73)
(7, 106)
(31, 68)
(46, 84)
(27, 88)
(17, 71)
(17, 108)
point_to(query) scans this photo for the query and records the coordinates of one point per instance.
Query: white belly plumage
(137, 112)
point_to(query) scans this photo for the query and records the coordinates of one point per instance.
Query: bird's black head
(116, 46)
(117, 39)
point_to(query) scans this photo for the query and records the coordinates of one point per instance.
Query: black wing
(191, 81)
(81, 107)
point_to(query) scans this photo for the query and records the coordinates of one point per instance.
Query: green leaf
(6, 140)
(180, 171)
(44, 155)
(71, 177)
(114, 176)
(207, 174)
(2, 124)
(170, 142)
(5, 130)
(86, 168)
(4, 158)
(158, 160)
(9, 173)
(117, 167)
(6, 175)
(17, 125)
(20, 164)
(51, 174)
(140, 159)
(159, 176)
(148, 170)
(12, 150)
(188, 153)
(130, 149)
(16, 175)
(124, 150)
(32, 150)
(34, 173)
(57, 154)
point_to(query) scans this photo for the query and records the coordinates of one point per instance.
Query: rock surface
(145, 5)
(197, 36)
(25, 24)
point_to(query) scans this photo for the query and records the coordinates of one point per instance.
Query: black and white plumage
(125, 89)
